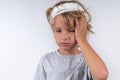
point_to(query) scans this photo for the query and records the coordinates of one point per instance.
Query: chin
(65, 49)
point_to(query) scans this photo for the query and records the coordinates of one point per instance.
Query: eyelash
(71, 30)
(57, 30)
(61, 30)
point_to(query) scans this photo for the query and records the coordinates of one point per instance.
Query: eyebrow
(56, 28)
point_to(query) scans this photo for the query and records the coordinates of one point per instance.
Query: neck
(69, 52)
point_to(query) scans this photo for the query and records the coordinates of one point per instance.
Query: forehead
(59, 22)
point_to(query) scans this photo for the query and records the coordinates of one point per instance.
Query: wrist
(82, 42)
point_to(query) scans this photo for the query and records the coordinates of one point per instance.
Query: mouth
(65, 44)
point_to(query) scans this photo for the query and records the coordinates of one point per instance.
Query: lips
(65, 44)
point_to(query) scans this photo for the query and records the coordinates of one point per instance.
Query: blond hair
(68, 16)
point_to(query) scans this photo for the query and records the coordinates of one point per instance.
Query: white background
(25, 35)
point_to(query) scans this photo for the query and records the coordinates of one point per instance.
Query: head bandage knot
(66, 7)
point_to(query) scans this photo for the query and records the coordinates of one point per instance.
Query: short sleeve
(40, 73)
(88, 73)
(89, 76)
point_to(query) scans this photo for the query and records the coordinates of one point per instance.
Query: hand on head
(81, 28)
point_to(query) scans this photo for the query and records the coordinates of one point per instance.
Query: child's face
(64, 35)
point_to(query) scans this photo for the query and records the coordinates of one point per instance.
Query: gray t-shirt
(55, 66)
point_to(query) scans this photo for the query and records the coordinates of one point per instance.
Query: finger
(80, 22)
(83, 22)
(77, 22)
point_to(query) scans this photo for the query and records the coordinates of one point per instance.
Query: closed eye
(58, 30)
(71, 30)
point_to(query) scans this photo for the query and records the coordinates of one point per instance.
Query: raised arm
(95, 63)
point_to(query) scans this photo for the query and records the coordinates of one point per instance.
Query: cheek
(57, 37)
(73, 37)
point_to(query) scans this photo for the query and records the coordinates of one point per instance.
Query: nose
(65, 36)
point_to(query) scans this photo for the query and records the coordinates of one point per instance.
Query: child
(69, 21)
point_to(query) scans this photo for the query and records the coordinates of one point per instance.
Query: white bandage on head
(66, 7)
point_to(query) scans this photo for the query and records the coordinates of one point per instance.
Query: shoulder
(48, 56)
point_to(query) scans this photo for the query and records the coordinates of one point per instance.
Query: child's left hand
(81, 29)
